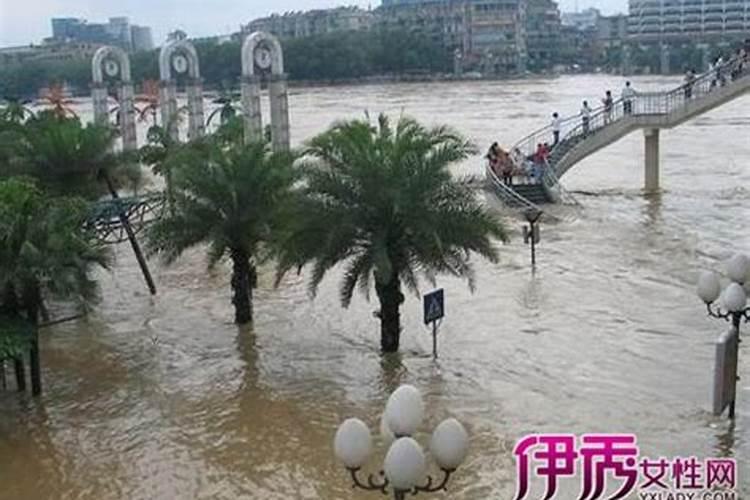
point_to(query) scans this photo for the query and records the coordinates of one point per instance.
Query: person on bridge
(689, 82)
(628, 96)
(506, 167)
(493, 157)
(586, 117)
(720, 71)
(608, 105)
(556, 124)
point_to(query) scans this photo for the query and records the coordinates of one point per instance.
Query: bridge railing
(506, 193)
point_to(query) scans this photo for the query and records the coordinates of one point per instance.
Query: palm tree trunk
(131, 237)
(390, 316)
(35, 366)
(242, 286)
(20, 374)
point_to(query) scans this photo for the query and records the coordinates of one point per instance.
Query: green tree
(158, 153)
(45, 253)
(383, 200)
(232, 199)
(69, 158)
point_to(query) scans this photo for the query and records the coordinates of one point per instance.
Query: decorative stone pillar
(195, 107)
(651, 160)
(185, 61)
(251, 108)
(101, 109)
(264, 51)
(279, 98)
(127, 117)
(115, 62)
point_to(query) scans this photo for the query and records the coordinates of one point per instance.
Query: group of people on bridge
(515, 166)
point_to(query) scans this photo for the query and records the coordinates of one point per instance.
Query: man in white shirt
(628, 95)
(556, 124)
(586, 117)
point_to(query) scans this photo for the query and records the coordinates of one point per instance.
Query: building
(488, 34)
(445, 22)
(117, 31)
(611, 31)
(313, 22)
(142, 38)
(585, 19)
(688, 20)
(543, 25)
(50, 51)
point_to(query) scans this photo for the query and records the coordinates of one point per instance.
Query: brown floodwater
(164, 398)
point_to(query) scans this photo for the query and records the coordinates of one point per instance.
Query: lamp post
(733, 300)
(404, 465)
(531, 232)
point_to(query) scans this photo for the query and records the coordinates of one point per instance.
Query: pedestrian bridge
(650, 112)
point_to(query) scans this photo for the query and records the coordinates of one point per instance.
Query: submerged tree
(232, 199)
(44, 254)
(383, 200)
(70, 158)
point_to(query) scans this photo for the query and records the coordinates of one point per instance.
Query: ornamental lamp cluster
(733, 299)
(405, 464)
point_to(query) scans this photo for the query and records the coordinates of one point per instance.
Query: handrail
(506, 192)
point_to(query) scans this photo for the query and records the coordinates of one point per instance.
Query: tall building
(118, 31)
(142, 38)
(688, 20)
(313, 22)
(543, 24)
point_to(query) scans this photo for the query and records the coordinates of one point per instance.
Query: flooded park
(162, 397)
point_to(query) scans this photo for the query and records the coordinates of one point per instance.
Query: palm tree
(227, 110)
(44, 253)
(57, 102)
(232, 199)
(68, 157)
(158, 154)
(384, 201)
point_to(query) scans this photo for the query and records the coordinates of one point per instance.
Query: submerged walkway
(651, 111)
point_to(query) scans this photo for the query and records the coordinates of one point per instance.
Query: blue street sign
(434, 306)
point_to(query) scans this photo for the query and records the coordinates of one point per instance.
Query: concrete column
(101, 109)
(665, 59)
(251, 108)
(651, 160)
(195, 105)
(127, 117)
(279, 113)
(169, 118)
